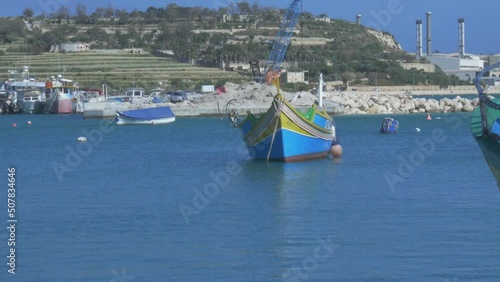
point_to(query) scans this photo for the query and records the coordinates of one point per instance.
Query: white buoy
(417, 129)
(82, 139)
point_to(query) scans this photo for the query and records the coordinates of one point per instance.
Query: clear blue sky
(395, 16)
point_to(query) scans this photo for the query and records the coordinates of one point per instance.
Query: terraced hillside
(119, 71)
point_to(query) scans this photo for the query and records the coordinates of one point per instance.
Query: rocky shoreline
(402, 104)
(258, 97)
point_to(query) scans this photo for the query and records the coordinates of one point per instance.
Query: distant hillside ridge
(226, 38)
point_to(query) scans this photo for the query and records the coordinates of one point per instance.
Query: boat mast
(320, 90)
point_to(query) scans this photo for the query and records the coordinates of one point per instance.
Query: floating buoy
(417, 129)
(28, 122)
(14, 124)
(82, 139)
(336, 151)
(389, 125)
(429, 116)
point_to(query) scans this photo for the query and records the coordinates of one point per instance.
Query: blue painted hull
(291, 146)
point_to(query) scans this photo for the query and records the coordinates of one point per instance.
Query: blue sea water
(448, 96)
(182, 202)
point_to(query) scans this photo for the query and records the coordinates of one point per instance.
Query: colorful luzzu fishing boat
(286, 134)
(485, 126)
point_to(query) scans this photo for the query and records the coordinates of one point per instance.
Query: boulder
(365, 107)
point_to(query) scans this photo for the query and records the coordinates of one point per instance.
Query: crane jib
(283, 38)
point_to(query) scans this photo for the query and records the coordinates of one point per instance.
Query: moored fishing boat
(33, 102)
(23, 92)
(61, 96)
(485, 125)
(287, 134)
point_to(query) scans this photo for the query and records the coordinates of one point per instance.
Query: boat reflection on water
(287, 177)
(293, 208)
(290, 186)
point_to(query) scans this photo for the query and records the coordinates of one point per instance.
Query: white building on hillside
(70, 47)
(323, 19)
(294, 77)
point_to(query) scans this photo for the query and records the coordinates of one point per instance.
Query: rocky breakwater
(400, 104)
(252, 96)
(257, 98)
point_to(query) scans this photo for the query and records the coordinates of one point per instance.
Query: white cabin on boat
(135, 95)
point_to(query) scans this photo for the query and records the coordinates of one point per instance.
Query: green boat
(485, 125)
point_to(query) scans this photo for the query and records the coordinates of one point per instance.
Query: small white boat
(155, 115)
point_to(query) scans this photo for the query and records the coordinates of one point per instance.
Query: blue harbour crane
(280, 45)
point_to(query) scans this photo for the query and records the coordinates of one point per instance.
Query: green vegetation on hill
(118, 71)
(11, 30)
(230, 35)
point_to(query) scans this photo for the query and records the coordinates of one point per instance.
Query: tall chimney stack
(461, 37)
(419, 39)
(429, 37)
(358, 19)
